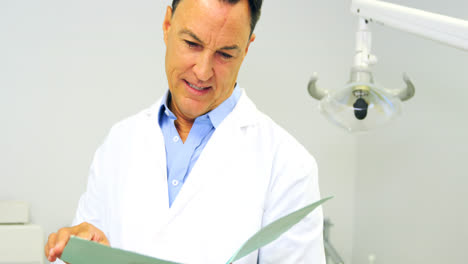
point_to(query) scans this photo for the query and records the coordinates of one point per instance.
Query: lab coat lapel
(204, 170)
(146, 188)
(210, 164)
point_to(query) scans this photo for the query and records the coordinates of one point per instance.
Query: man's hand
(57, 241)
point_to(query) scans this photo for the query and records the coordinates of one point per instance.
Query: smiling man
(192, 177)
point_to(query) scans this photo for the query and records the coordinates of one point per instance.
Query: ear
(167, 23)
(252, 38)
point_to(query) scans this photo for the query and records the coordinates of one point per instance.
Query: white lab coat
(250, 173)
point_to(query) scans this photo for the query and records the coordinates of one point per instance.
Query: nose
(203, 68)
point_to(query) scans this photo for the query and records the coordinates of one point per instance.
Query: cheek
(181, 61)
(227, 73)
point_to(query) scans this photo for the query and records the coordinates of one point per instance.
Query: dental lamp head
(361, 105)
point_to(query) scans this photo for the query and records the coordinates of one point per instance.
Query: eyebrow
(195, 37)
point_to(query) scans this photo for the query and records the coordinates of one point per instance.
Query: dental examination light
(362, 105)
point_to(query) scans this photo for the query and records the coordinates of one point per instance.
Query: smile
(196, 87)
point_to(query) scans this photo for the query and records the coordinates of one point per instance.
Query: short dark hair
(255, 7)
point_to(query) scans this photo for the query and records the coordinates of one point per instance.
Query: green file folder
(80, 251)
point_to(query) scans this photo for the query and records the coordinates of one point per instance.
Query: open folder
(80, 251)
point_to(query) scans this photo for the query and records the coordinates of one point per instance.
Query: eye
(192, 44)
(225, 55)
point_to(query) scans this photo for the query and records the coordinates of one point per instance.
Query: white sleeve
(294, 185)
(91, 206)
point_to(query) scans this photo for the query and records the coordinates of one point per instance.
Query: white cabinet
(20, 242)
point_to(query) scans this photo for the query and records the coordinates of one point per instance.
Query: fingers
(90, 232)
(50, 244)
(63, 235)
(101, 238)
(52, 250)
(84, 230)
(57, 241)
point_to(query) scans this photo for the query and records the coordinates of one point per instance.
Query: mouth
(197, 88)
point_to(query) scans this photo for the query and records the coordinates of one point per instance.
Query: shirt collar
(216, 116)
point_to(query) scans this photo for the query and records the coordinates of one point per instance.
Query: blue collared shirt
(181, 157)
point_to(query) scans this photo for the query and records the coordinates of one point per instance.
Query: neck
(183, 127)
(182, 123)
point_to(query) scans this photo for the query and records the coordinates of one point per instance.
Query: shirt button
(175, 139)
(175, 182)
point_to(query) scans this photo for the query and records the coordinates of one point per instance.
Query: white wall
(70, 69)
(411, 183)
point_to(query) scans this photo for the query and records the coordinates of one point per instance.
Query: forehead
(214, 21)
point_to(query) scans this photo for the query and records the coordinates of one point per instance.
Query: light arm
(447, 30)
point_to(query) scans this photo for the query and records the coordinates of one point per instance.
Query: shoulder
(135, 128)
(284, 147)
(289, 152)
(146, 118)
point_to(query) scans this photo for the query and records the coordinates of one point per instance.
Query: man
(195, 175)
